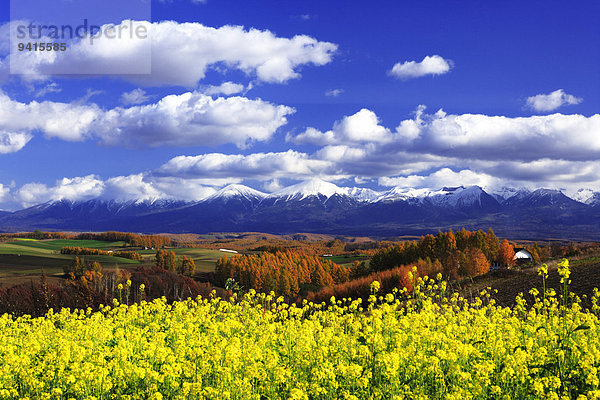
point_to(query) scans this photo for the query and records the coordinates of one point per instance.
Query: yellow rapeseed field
(426, 345)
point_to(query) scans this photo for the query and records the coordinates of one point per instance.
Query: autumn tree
(474, 262)
(186, 266)
(506, 254)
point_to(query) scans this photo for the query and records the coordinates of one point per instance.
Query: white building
(522, 255)
(228, 251)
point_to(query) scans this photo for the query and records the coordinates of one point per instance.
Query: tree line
(87, 251)
(132, 239)
(286, 272)
(463, 253)
(168, 260)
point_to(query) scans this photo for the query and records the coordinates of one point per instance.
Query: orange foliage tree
(283, 272)
(506, 254)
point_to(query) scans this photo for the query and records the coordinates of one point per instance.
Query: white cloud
(443, 177)
(358, 128)
(192, 119)
(478, 136)
(552, 101)
(189, 189)
(254, 52)
(136, 96)
(554, 150)
(11, 142)
(66, 121)
(253, 166)
(226, 88)
(431, 65)
(189, 119)
(272, 186)
(124, 188)
(49, 88)
(78, 188)
(137, 187)
(334, 92)
(4, 193)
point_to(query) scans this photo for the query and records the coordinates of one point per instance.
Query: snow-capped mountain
(460, 197)
(506, 193)
(448, 197)
(321, 189)
(541, 198)
(237, 191)
(319, 206)
(401, 194)
(587, 196)
(363, 194)
(312, 187)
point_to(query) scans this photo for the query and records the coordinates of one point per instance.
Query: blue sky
(268, 93)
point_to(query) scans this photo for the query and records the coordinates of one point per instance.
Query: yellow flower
(375, 286)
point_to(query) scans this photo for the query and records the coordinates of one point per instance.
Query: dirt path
(510, 283)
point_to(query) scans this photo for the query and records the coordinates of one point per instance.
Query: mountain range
(323, 207)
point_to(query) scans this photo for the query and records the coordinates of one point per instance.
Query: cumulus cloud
(551, 101)
(136, 96)
(78, 188)
(253, 166)
(189, 119)
(137, 187)
(478, 136)
(192, 119)
(546, 170)
(334, 92)
(66, 121)
(430, 65)
(163, 60)
(4, 193)
(357, 128)
(554, 150)
(226, 88)
(272, 186)
(443, 177)
(11, 142)
(49, 88)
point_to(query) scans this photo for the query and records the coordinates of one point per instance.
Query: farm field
(431, 344)
(205, 259)
(347, 260)
(22, 260)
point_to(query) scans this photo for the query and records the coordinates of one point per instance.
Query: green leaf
(581, 327)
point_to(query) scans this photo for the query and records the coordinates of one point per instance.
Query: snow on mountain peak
(587, 196)
(235, 190)
(456, 196)
(505, 193)
(447, 196)
(311, 187)
(363, 194)
(583, 195)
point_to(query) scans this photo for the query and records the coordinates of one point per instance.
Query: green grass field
(205, 259)
(26, 258)
(346, 261)
(57, 244)
(21, 259)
